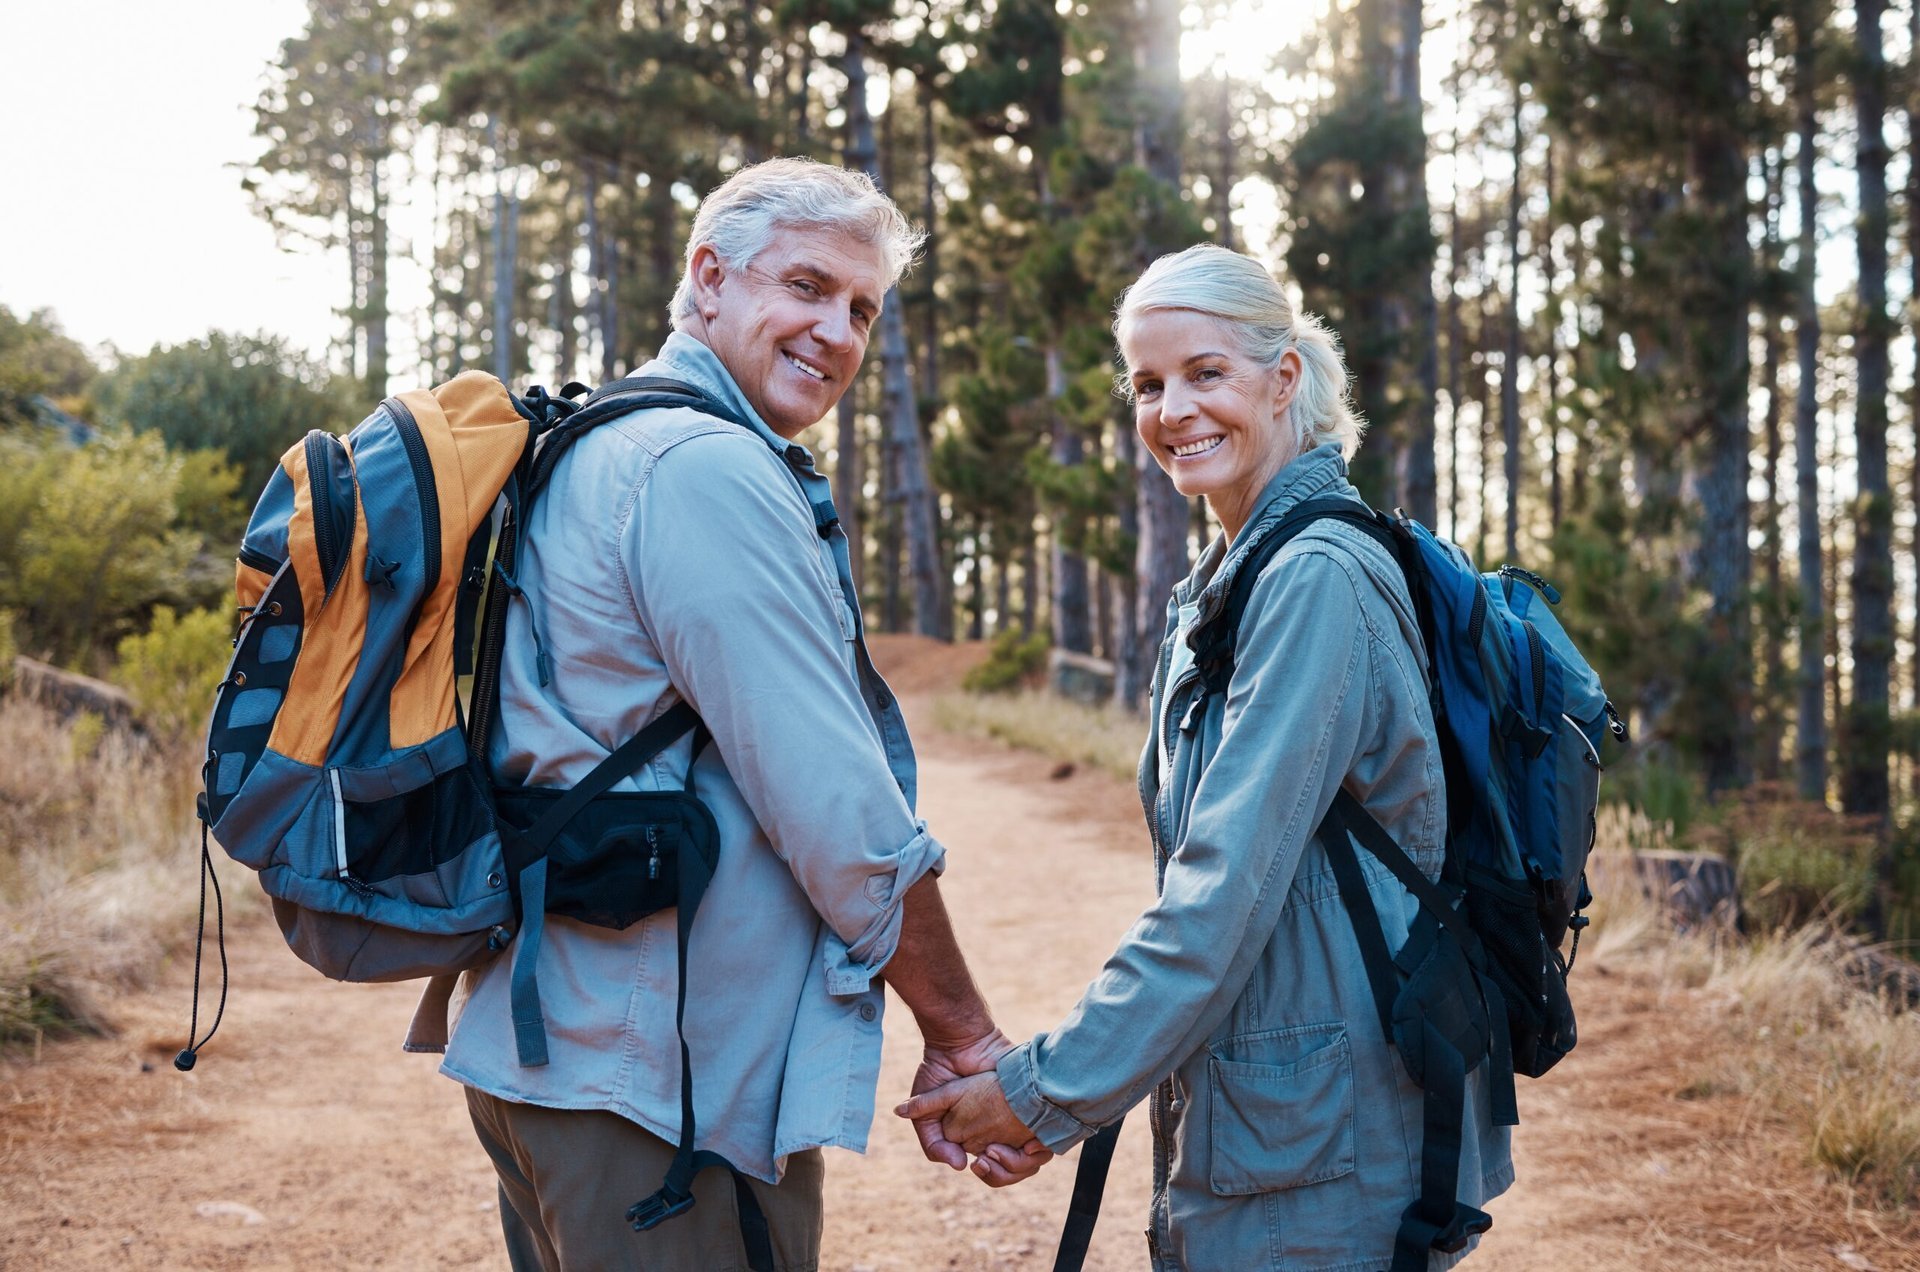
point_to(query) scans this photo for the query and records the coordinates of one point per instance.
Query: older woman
(1286, 1132)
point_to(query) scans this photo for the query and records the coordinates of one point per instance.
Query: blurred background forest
(1626, 286)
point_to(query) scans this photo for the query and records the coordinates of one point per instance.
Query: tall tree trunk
(1863, 778)
(1456, 336)
(1222, 178)
(1511, 432)
(848, 481)
(1160, 558)
(505, 209)
(930, 254)
(1550, 270)
(1772, 716)
(899, 407)
(1718, 187)
(376, 312)
(1913, 260)
(1809, 729)
(1418, 479)
(1072, 626)
(1132, 672)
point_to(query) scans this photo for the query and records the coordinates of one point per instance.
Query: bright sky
(118, 122)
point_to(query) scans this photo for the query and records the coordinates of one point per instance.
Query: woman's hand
(974, 1114)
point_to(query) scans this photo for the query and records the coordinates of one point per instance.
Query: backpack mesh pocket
(1530, 975)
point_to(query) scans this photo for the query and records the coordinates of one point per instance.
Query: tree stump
(1696, 889)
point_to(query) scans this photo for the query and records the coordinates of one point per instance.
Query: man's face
(791, 327)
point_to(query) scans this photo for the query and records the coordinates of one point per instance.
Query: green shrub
(1796, 861)
(7, 649)
(1015, 660)
(173, 669)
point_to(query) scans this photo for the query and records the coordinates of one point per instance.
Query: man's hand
(941, 1065)
(973, 1114)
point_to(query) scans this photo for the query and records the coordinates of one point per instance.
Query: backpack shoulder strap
(1214, 644)
(610, 401)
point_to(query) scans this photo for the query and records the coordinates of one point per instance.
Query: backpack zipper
(339, 827)
(653, 853)
(1537, 653)
(493, 625)
(1477, 617)
(1540, 585)
(422, 464)
(321, 506)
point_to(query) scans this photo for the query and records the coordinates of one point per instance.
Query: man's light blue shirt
(675, 554)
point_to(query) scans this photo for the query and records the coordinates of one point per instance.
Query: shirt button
(868, 1011)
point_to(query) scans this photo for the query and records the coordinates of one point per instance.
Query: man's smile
(807, 367)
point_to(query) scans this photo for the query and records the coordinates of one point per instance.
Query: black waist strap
(1089, 1183)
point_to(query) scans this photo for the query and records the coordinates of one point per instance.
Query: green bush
(173, 669)
(1796, 862)
(1015, 660)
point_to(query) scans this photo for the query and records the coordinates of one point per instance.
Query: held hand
(941, 1063)
(974, 1115)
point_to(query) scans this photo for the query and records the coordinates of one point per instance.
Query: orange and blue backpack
(342, 765)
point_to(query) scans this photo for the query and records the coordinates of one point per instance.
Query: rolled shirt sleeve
(726, 575)
(1291, 727)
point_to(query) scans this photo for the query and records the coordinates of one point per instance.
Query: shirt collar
(683, 357)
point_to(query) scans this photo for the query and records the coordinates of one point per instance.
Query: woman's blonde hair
(1220, 283)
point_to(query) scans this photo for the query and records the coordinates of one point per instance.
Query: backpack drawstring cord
(187, 1057)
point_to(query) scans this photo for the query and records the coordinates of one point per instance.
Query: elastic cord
(185, 1060)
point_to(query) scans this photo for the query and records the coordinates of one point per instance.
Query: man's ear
(709, 274)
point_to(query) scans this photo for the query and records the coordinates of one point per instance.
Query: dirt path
(307, 1140)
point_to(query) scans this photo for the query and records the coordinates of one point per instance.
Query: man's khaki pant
(567, 1177)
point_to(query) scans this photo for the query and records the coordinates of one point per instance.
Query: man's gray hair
(741, 215)
(1212, 280)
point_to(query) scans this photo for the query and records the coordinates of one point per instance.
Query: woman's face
(1210, 416)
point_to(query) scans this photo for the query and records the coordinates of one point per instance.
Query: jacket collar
(1320, 471)
(685, 358)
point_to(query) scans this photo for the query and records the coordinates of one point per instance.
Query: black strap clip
(657, 1209)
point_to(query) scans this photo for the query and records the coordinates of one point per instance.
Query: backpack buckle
(657, 1209)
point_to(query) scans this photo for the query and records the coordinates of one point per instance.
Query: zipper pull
(1540, 585)
(653, 853)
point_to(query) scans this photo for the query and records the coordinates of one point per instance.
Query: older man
(678, 556)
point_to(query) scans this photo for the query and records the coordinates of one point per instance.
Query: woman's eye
(1147, 389)
(1205, 374)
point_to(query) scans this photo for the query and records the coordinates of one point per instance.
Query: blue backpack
(1481, 979)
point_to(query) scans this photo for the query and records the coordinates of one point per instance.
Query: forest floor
(306, 1139)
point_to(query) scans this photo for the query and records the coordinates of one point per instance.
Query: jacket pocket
(1281, 1110)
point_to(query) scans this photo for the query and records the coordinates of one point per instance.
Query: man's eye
(805, 287)
(1206, 373)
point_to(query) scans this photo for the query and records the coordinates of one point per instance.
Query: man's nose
(834, 328)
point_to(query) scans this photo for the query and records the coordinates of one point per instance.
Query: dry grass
(1785, 1030)
(1059, 728)
(97, 868)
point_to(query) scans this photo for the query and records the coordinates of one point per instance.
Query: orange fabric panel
(249, 584)
(335, 627)
(474, 436)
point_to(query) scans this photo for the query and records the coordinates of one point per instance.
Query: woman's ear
(1286, 375)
